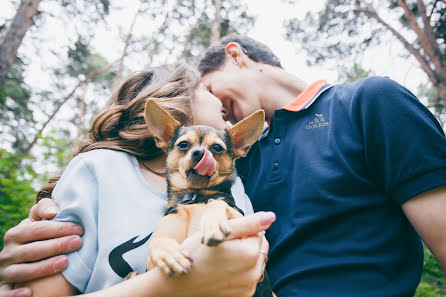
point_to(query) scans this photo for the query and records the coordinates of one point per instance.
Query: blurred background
(61, 59)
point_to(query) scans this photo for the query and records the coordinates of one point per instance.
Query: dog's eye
(183, 145)
(217, 148)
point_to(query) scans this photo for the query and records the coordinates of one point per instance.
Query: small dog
(200, 173)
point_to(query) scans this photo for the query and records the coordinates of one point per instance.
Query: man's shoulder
(368, 84)
(371, 89)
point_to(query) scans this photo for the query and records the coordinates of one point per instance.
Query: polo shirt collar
(308, 96)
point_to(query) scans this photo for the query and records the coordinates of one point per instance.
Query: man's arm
(427, 214)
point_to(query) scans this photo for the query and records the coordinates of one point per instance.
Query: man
(354, 172)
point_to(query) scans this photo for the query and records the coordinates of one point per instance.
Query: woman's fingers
(28, 232)
(16, 273)
(38, 250)
(7, 291)
(251, 225)
(44, 209)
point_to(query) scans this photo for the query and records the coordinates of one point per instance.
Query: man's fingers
(44, 209)
(7, 291)
(41, 230)
(29, 271)
(251, 225)
(38, 250)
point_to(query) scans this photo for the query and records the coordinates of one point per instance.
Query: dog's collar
(190, 198)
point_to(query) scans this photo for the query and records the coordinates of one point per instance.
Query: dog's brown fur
(212, 211)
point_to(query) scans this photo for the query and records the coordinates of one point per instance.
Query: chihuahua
(200, 174)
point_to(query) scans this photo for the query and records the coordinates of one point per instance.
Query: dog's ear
(246, 132)
(161, 123)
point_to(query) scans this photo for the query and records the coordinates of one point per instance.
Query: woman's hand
(232, 268)
(33, 248)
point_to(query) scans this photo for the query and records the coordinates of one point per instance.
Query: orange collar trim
(305, 97)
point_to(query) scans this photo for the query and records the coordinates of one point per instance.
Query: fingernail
(22, 293)
(52, 210)
(78, 230)
(60, 264)
(74, 244)
(25, 292)
(267, 218)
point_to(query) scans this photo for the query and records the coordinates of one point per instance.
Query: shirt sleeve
(76, 195)
(241, 199)
(404, 145)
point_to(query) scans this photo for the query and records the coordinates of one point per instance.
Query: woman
(116, 190)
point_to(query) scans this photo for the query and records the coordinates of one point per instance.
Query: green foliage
(56, 148)
(353, 74)
(96, 9)
(17, 194)
(433, 280)
(18, 179)
(15, 108)
(82, 61)
(234, 19)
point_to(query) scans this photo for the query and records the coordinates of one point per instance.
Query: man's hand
(234, 267)
(33, 248)
(426, 213)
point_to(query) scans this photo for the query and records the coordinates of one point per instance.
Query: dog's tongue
(207, 164)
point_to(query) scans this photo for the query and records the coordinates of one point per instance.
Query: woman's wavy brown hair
(121, 126)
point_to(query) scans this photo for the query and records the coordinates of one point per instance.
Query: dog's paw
(170, 259)
(214, 232)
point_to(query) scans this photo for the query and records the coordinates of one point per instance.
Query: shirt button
(277, 140)
(276, 166)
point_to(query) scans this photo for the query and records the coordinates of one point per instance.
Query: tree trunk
(118, 75)
(441, 89)
(430, 60)
(14, 35)
(80, 120)
(156, 39)
(216, 23)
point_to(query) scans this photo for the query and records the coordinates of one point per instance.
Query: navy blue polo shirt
(335, 166)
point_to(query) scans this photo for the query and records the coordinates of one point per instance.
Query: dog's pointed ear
(161, 123)
(246, 132)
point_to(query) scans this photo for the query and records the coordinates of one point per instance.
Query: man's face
(235, 87)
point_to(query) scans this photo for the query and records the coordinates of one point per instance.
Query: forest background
(61, 59)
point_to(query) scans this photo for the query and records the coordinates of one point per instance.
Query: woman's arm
(231, 269)
(34, 248)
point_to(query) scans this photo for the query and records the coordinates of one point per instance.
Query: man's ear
(160, 123)
(246, 132)
(234, 50)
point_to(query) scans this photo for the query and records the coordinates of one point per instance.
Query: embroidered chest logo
(318, 122)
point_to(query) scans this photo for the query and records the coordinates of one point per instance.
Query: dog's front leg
(214, 223)
(164, 248)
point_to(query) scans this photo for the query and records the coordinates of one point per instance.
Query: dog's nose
(197, 154)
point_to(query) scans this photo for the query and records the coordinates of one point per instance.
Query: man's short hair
(214, 56)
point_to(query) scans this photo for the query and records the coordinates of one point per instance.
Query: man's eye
(217, 148)
(183, 145)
